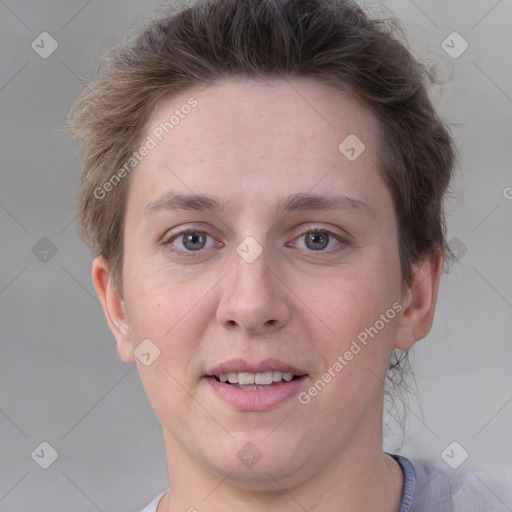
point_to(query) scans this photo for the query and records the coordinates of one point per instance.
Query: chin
(259, 465)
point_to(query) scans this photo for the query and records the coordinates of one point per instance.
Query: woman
(263, 193)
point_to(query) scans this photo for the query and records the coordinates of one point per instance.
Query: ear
(113, 307)
(419, 302)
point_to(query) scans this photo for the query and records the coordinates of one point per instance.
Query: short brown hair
(332, 41)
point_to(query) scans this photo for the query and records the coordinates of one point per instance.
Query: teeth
(262, 378)
(277, 376)
(246, 378)
(232, 378)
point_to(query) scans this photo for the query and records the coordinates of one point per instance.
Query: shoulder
(441, 488)
(152, 507)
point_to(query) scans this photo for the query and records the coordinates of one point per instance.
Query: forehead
(246, 137)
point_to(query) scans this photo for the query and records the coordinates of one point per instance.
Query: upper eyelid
(168, 236)
(312, 229)
(173, 237)
(339, 238)
(301, 232)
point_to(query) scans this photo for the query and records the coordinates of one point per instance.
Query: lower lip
(256, 399)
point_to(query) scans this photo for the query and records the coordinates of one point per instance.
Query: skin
(251, 144)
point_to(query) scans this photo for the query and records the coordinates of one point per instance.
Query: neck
(362, 478)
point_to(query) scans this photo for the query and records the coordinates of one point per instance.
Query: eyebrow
(308, 201)
(174, 201)
(294, 202)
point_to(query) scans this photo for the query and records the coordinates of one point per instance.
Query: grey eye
(316, 241)
(193, 240)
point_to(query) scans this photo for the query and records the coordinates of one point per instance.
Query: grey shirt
(431, 486)
(435, 487)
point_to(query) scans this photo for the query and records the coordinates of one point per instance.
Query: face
(260, 245)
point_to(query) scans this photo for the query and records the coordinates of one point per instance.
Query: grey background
(61, 380)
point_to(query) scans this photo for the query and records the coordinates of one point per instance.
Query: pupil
(194, 241)
(317, 241)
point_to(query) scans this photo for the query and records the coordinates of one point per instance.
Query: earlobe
(113, 307)
(419, 302)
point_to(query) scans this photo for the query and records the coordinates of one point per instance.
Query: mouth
(255, 381)
(255, 386)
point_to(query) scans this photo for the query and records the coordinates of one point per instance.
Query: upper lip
(242, 365)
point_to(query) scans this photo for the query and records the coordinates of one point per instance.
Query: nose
(253, 298)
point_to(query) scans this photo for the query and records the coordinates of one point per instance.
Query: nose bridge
(254, 299)
(252, 277)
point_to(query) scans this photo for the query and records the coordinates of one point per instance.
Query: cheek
(174, 316)
(163, 306)
(355, 312)
(353, 296)
(356, 348)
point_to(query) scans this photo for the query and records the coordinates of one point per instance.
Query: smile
(247, 380)
(256, 397)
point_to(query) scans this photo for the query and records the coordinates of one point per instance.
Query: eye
(192, 241)
(317, 240)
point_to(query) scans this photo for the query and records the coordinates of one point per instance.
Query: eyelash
(319, 230)
(181, 252)
(195, 254)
